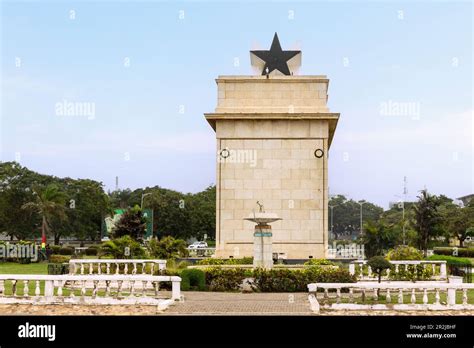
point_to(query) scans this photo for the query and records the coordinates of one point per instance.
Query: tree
(377, 238)
(458, 222)
(346, 215)
(378, 264)
(132, 223)
(49, 204)
(426, 219)
(167, 248)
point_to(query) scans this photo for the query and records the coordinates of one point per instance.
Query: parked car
(198, 245)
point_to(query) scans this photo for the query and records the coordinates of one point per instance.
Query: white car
(198, 245)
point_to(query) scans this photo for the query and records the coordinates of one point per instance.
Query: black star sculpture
(275, 58)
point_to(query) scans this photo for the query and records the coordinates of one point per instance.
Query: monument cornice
(274, 79)
(331, 117)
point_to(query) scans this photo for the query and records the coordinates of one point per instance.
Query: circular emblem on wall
(224, 153)
(318, 153)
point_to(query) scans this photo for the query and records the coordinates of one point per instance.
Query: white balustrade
(364, 272)
(418, 296)
(119, 289)
(95, 266)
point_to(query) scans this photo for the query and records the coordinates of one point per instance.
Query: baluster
(400, 296)
(388, 298)
(388, 273)
(396, 268)
(376, 295)
(134, 271)
(2, 287)
(369, 271)
(406, 268)
(83, 288)
(96, 285)
(107, 288)
(425, 296)
(73, 284)
(60, 288)
(26, 289)
(37, 290)
(433, 268)
(437, 297)
(119, 288)
(117, 270)
(157, 288)
(351, 295)
(152, 268)
(125, 270)
(82, 268)
(14, 290)
(99, 268)
(144, 284)
(132, 288)
(326, 294)
(91, 267)
(464, 296)
(413, 297)
(108, 267)
(143, 268)
(338, 295)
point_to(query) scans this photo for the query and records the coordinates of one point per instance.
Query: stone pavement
(210, 303)
(221, 303)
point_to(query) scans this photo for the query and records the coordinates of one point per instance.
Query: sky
(144, 72)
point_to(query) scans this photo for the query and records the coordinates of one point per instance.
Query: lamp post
(143, 196)
(361, 203)
(332, 215)
(403, 217)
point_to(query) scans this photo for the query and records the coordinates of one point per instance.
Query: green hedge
(59, 258)
(230, 279)
(58, 268)
(318, 262)
(452, 260)
(66, 251)
(214, 261)
(462, 252)
(286, 280)
(92, 250)
(193, 279)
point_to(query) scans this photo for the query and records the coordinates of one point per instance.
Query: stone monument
(273, 135)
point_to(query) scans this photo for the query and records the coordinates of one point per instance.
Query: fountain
(262, 237)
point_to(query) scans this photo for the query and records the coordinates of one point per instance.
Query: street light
(403, 217)
(143, 196)
(332, 215)
(361, 203)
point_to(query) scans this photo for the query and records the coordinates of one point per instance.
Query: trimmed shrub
(378, 264)
(55, 249)
(411, 273)
(193, 279)
(213, 261)
(66, 251)
(92, 251)
(451, 260)
(318, 262)
(59, 258)
(287, 280)
(58, 268)
(404, 252)
(219, 279)
(461, 252)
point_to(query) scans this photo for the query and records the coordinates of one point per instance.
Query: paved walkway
(221, 303)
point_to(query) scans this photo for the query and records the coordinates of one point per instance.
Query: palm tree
(49, 204)
(427, 218)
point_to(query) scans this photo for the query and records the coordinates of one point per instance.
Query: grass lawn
(17, 268)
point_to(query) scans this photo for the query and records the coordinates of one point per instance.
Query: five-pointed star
(276, 58)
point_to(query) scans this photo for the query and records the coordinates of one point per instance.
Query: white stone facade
(268, 130)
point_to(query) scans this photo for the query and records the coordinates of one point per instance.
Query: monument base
(262, 247)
